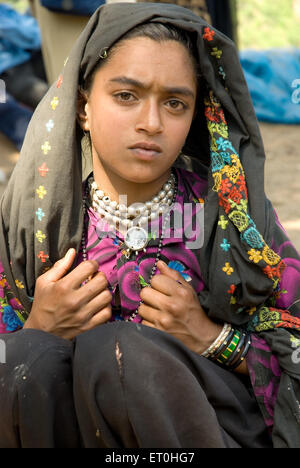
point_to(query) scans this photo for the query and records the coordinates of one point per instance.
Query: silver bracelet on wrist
(218, 341)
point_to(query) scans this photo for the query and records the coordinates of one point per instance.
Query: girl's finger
(175, 275)
(99, 318)
(61, 267)
(96, 304)
(148, 324)
(149, 314)
(153, 297)
(81, 273)
(92, 288)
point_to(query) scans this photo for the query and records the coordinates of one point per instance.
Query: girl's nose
(149, 119)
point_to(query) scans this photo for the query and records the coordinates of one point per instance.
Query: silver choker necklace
(132, 218)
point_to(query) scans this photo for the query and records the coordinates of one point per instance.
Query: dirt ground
(282, 172)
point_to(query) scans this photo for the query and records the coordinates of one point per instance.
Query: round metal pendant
(136, 238)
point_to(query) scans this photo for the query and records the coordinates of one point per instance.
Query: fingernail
(68, 254)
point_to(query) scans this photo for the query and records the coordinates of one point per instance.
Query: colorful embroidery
(43, 170)
(239, 219)
(217, 179)
(222, 73)
(46, 147)
(54, 103)
(40, 214)
(242, 206)
(233, 172)
(275, 272)
(254, 255)
(231, 289)
(208, 34)
(225, 245)
(216, 52)
(59, 81)
(223, 145)
(230, 185)
(224, 203)
(235, 195)
(270, 257)
(40, 236)
(252, 237)
(269, 318)
(225, 185)
(223, 222)
(41, 191)
(42, 256)
(49, 125)
(228, 269)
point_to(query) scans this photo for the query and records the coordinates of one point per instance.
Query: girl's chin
(143, 176)
(137, 171)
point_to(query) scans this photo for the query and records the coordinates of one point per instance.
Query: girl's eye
(176, 105)
(124, 96)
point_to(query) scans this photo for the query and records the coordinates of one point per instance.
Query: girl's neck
(114, 186)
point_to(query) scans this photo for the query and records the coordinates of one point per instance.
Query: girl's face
(140, 109)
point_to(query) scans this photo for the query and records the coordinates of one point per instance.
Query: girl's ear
(81, 115)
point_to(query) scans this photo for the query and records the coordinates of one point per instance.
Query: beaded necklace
(154, 268)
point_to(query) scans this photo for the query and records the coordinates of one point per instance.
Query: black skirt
(121, 385)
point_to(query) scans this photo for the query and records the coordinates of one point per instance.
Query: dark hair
(157, 32)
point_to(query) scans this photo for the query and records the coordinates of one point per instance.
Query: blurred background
(35, 40)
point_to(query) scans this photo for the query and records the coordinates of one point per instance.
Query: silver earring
(103, 53)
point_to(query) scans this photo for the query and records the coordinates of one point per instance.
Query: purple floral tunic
(129, 276)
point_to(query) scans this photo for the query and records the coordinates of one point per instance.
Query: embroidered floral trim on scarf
(230, 185)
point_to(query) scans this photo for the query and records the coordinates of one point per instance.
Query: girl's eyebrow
(184, 91)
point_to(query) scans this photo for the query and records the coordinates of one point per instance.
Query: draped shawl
(42, 215)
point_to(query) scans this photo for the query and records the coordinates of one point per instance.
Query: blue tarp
(19, 36)
(273, 78)
(14, 120)
(76, 7)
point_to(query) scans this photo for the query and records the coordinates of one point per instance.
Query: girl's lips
(145, 154)
(147, 145)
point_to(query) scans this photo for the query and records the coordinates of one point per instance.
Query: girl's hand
(172, 305)
(65, 308)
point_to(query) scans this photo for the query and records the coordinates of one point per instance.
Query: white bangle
(218, 341)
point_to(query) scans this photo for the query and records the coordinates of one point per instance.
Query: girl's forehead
(144, 57)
